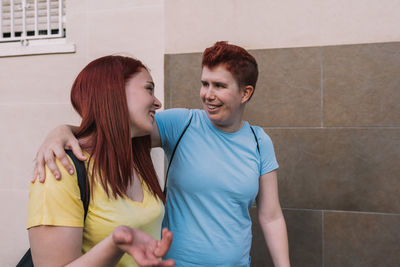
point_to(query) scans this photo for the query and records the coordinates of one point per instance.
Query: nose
(209, 94)
(157, 104)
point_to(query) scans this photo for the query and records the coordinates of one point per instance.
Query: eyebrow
(222, 83)
(214, 82)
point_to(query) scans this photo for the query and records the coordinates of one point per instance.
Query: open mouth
(212, 108)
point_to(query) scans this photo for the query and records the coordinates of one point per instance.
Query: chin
(218, 122)
(215, 118)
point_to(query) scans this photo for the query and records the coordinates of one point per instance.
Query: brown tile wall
(334, 116)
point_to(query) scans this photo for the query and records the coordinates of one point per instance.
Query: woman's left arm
(61, 246)
(271, 219)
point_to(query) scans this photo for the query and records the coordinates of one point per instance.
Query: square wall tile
(361, 239)
(351, 169)
(305, 239)
(288, 91)
(361, 85)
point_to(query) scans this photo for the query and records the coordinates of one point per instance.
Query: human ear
(247, 92)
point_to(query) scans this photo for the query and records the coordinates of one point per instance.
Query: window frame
(40, 40)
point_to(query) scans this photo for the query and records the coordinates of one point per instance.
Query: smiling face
(142, 104)
(223, 100)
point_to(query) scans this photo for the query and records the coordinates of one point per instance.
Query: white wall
(34, 90)
(194, 25)
(34, 95)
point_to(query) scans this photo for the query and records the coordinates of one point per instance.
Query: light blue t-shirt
(212, 183)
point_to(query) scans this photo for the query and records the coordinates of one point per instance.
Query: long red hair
(98, 95)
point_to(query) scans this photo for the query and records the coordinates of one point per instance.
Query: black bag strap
(173, 153)
(26, 260)
(81, 174)
(255, 137)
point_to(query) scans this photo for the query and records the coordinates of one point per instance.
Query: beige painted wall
(34, 90)
(193, 25)
(34, 95)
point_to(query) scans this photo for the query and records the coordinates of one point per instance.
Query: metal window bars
(23, 20)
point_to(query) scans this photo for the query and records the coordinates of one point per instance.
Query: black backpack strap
(81, 174)
(173, 153)
(255, 137)
(26, 260)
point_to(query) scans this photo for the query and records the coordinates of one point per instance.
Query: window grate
(23, 20)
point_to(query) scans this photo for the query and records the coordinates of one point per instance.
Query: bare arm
(57, 140)
(61, 138)
(60, 246)
(271, 219)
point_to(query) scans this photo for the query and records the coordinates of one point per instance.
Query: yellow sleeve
(56, 202)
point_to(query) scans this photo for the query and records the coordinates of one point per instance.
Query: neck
(229, 128)
(233, 125)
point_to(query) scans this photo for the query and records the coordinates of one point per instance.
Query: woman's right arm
(60, 246)
(59, 139)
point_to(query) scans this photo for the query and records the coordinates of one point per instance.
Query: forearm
(275, 235)
(105, 253)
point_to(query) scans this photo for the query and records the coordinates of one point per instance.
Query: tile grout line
(330, 127)
(170, 82)
(344, 211)
(323, 239)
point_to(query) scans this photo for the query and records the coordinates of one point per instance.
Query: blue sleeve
(170, 124)
(267, 152)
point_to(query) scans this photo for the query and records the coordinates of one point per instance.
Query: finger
(35, 172)
(39, 166)
(164, 244)
(145, 258)
(41, 172)
(51, 164)
(167, 263)
(77, 150)
(62, 156)
(33, 179)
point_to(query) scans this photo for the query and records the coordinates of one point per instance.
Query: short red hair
(98, 95)
(236, 59)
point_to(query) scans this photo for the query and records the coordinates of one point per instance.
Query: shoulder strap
(255, 137)
(26, 260)
(81, 173)
(173, 153)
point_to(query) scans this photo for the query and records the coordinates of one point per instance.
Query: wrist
(113, 246)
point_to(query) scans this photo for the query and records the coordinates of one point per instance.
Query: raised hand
(145, 250)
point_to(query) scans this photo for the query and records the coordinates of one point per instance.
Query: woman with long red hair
(114, 96)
